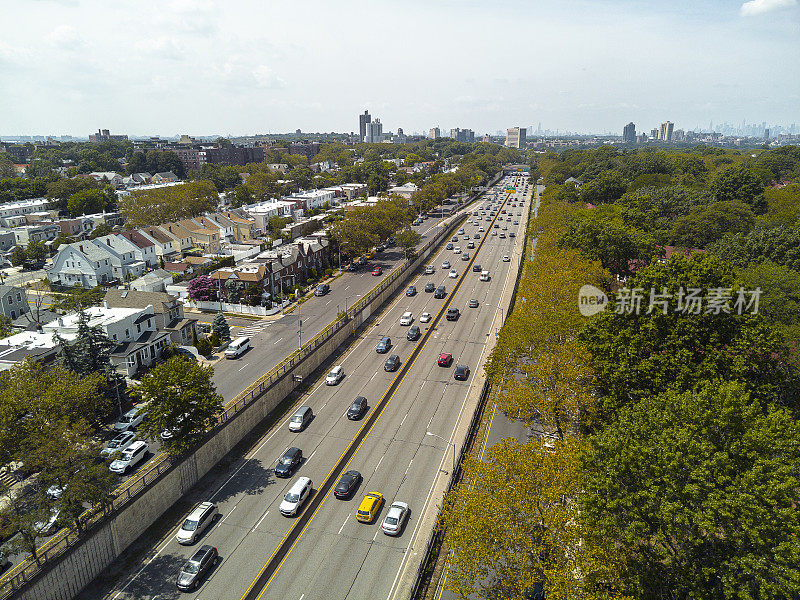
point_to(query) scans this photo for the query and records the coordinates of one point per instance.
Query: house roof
(137, 238)
(136, 299)
(176, 267)
(196, 260)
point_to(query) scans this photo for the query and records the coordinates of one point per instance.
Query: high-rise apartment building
(463, 135)
(515, 137)
(665, 132)
(374, 132)
(435, 133)
(362, 124)
(654, 134)
(629, 134)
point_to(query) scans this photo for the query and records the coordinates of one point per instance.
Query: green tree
(90, 352)
(36, 251)
(89, 201)
(607, 187)
(6, 166)
(100, 230)
(181, 398)
(780, 245)
(161, 205)
(780, 301)
(5, 326)
(739, 183)
(696, 489)
(220, 326)
(706, 224)
(18, 256)
(408, 240)
(79, 298)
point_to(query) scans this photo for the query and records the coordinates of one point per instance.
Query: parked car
(288, 463)
(377, 271)
(192, 573)
(348, 483)
(383, 345)
(130, 420)
(395, 518)
(322, 289)
(119, 442)
(335, 376)
(130, 457)
(357, 408)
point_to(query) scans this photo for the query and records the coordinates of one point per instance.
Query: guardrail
(21, 574)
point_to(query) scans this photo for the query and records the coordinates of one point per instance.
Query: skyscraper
(665, 133)
(435, 134)
(515, 137)
(374, 132)
(629, 134)
(362, 124)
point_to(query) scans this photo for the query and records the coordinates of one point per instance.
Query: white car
(130, 457)
(425, 318)
(49, 526)
(395, 517)
(335, 376)
(446, 264)
(296, 497)
(430, 270)
(452, 274)
(481, 230)
(119, 442)
(506, 258)
(457, 250)
(130, 420)
(406, 319)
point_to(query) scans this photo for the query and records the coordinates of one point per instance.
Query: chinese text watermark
(688, 301)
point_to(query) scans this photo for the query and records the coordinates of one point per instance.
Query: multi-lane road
(335, 556)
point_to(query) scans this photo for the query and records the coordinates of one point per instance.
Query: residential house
(134, 331)
(129, 260)
(245, 227)
(262, 212)
(235, 280)
(7, 239)
(13, 301)
(166, 244)
(112, 178)
(202, 237)
(406, 190)
(34, 345)
(178, 268)
(168, 312)
(112, 219)
(164, 177)
(95, 262)
(76, 228)
(136, 179)
(23, 207)
(155, 281)
(43, 232)
(181, 234)
(144, 249)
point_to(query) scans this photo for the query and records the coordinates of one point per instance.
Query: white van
(484, 275)
(237, 347)
(296, 497)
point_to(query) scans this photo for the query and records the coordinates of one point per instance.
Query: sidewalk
(430, 513)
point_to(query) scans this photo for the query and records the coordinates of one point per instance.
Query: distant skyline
(201, 66)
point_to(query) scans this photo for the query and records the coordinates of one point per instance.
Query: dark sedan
(461, 373)
(429, 287)
(357, 408)
(413, 333)
(392, 363)
(411, 291)
(348, 483)
(288, 463)
(383, 345)
(196, 568)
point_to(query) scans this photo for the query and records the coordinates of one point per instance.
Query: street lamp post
(449, 443)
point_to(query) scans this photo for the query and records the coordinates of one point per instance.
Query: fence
(242, 309)
(58, 545)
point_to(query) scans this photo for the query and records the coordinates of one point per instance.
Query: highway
(335, 556)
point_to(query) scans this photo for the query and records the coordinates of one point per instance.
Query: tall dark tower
(362, 124)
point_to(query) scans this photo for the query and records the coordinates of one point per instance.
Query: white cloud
(65, 37)
(162, 47)
(758, 7)
(265, 77)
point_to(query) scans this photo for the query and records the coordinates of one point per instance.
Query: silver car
(395, 518)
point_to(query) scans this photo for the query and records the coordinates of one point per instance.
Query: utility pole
(299, 327)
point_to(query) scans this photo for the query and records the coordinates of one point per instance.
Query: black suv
(288, 463)
(392, 363)
(453, 314)
(357, 408)
(429, 287)
(476, 268)
(196, 568)
(440, 292)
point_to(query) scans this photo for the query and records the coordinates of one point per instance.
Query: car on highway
(455, 238)
(411, 291)
(130, 420)
(471, 246)
(322, 289)
(445, 359)
(425, 317)
(465, 256)
(496, 226)
(452, 274)
(395, 518)
(430, 270)
(449, 246)
(440, 292)
(481, 229)
(516, 222)
(453, 314)
(197, 522)
(477, 236)
(335, 376)
(348, 483)
(505, 228)
(512, 234)
(461, 231)
(353, 267)
(288, 463)
(473, 303)
(392, 363)
(377, 271)
(296, 497)
(429, 287)
(446, 264)
(301, 419)
(119, 442)
(370, 507)
(383, 345)
(461, 373)
(192, 573)
(457, 250)
(476, 268)
(130, 457)
(406, 319)
(502, 235)
(413, 333)
(357, 408)
(494, 233)
(506, 258)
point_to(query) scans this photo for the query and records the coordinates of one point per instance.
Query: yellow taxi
(369, 507)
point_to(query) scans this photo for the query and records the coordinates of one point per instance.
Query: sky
(238, 67)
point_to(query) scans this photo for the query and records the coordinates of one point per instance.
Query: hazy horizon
(69, 67)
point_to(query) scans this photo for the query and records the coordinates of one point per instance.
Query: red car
(445, 359)
(377, 271)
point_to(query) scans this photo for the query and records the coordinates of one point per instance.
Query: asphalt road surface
(335, 556)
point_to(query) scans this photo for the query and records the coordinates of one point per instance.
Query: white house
(406, 190)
